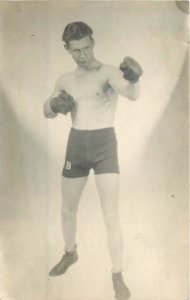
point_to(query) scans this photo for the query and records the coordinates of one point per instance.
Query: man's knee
(111, 219)
(68, 208)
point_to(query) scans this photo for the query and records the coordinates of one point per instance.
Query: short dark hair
(76, 31)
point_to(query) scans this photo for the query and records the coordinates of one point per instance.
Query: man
(90, 93)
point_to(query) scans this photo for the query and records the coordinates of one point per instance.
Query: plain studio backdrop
(153, 153)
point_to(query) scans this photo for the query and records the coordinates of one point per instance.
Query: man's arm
(123, 87)
(59, 101)
(48, 112)
(126, 84)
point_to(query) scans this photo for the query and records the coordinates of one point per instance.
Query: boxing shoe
(121, 290)
(66, 261)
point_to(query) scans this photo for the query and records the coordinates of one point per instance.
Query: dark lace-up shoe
(66, 261)
(121, 290)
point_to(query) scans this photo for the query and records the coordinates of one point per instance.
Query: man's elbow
(133, 97)
(133, 91)
(48, 113)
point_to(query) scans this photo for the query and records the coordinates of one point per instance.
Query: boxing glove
(131, 69)
(63, 103)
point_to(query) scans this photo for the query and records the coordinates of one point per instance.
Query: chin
(83, 63)
(84, 66)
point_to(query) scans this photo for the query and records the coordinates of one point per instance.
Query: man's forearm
(48, 112)
(132, 71)
(133, 90)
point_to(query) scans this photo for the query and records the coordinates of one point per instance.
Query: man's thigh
(108, 189)
(71, 190)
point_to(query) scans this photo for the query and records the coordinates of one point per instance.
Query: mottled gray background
(153, 151)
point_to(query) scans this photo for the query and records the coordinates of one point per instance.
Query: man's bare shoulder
(110, 69)
(65, 76)
(63, 80)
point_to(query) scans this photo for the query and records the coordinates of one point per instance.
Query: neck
(95, 64)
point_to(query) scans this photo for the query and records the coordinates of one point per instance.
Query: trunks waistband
(93, 131)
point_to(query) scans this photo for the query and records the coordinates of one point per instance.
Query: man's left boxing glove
(131, 69)
(63, 103)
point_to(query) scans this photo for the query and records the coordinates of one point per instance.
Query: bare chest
(89, 87)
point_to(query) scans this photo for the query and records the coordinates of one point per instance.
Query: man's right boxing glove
(131, 69)
(63, 103)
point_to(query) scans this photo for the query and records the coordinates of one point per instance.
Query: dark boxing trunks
(91, 149)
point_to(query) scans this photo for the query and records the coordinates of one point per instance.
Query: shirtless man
(89, 94)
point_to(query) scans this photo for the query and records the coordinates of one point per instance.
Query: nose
(82, 54)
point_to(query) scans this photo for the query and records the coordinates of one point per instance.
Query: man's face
(82, 51)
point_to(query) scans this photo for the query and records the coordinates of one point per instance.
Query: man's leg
(108, 189)
(71, 192)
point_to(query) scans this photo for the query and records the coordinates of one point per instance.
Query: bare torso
(95, 100)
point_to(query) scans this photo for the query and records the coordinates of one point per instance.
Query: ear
(93, 42)
(66, 47)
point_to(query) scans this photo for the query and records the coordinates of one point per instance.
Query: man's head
(76, 31)
(79, 42)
